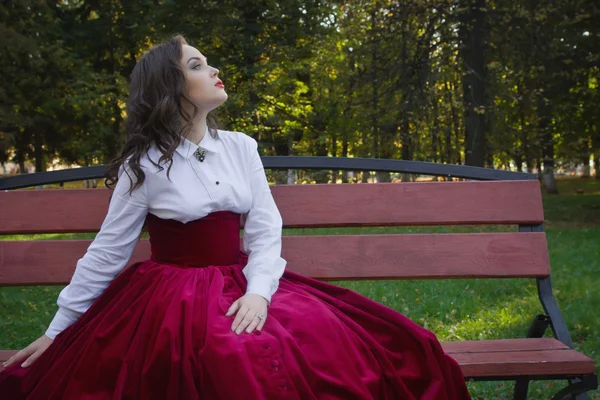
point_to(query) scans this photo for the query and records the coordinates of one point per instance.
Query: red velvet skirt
(159, 331)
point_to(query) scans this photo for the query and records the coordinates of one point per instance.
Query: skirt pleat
(159, 331)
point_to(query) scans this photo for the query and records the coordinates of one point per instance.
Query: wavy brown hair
(155, 112)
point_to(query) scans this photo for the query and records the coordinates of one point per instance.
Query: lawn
(453, 309)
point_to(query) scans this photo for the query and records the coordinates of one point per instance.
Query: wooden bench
(522, 253)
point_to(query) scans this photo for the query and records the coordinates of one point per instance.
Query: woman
(202, 319)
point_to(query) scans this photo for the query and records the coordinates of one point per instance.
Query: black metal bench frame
(577, 386)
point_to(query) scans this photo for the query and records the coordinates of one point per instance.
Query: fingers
(239, 320)
(253, 324)
(262, 322)
(234, 307)
(31, 359)
(248, 321)
(247, 308)
(21, 355)
(245, 324)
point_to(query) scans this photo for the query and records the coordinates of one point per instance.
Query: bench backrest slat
(384, 204)
(403, 256)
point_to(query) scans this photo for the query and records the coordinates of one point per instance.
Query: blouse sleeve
(262, 233)
(106, 256)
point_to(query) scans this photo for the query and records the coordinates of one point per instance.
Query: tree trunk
(291, 173)
(545, 131)
(281, 146)
(435, 132)
(90, 184)
(334, 173)
(473, 32)
(386, 151)
(406, 144)
(446, 154)
(519, 160)
(522, 152)
(345, 154)
(453, 153)
(38, 150)
(291, 180)
(111, 142)
(587, 171)
(375, 128)
(21, 150)
(525, 150)
(365, 176)
(585, 159)
(345, 114)
(320, 147)
(596, 150)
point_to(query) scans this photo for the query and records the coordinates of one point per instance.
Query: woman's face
(204, 88)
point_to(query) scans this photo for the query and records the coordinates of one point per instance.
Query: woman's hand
(249, 308)
(31, 352)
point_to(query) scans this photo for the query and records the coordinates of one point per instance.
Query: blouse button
(217, 182)
(275, 364)
(267, 347)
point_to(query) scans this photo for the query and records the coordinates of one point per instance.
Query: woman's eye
(198, 66)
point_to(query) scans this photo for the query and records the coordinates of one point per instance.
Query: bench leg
(539, 326)
(521, 388)
(577, 388)
(537, 330)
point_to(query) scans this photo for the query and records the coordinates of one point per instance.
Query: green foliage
(356, 78)
(453, 309)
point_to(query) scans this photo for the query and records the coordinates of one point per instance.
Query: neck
(196, 134)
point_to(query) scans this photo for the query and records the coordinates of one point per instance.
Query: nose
(215, 72)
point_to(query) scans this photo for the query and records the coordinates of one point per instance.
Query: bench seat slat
(524, 357)
(379, 204)
(5, 355)
(403, 256)
(499, 345)
(499, 358)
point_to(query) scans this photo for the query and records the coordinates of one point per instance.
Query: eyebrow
(198, 58)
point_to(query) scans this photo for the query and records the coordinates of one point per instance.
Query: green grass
(494, 309)
(453, 309)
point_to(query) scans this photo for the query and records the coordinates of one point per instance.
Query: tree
(473, 34)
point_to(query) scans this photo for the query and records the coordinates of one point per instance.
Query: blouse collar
(209, 143)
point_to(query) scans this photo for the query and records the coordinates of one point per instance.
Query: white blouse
(231, 178)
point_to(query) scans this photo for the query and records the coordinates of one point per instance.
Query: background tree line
(503, 84)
